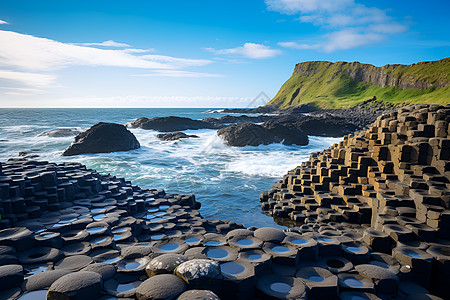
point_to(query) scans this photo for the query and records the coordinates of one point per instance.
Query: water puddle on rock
(299, 242)
(34, 295)
(354, 249)
(125, 287)
(245, 242)
(192, 240)
(280, 249)
(217, 253)
(232, 268)
(95, 229)
(213, 243)
(411, 253)
(316, 278)
(354, 283)
(169, 247)
(280, 287)
(255, 256)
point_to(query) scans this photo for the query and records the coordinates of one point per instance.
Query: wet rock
(173, 136)
(60, 132)
(18, 237)
(107, 271)
(201, 274)
(249, 134)
(10, 276)
(171, 124)
(39, 255)
(103, 138)
(269, 234)
(198, 295)
(322, 283)
(164, 264)
(76, 286)
(278, 287)
(164, 286)
(385, 281)
(43, 280)
(73, 263)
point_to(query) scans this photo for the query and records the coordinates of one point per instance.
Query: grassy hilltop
(343, 84)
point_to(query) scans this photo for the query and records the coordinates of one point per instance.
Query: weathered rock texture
(394, 177)
(381, 76)
(103, 138)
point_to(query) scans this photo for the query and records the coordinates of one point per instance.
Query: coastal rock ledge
(103, 138)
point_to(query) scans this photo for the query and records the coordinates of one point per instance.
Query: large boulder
(173, 136)
(103, 138)
(249, 134)
(170, 124)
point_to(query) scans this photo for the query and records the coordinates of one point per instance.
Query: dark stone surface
(173, 136)
(170, 124)
(164, 286)
(60, 132)
(249, 134)
(103, 138)
(76, 286)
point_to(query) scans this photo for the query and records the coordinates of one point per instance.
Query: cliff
(342, 84)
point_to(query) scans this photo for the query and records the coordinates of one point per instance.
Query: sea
(226, 180)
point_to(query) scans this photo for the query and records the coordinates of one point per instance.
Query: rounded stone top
(375, 272)
(198, 295)
(164, 286)
(79, 285)
(269, 234)
(199, 268)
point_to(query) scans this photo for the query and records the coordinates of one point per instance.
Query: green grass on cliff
(331, 87)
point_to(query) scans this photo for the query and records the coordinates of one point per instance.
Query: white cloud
(3, 22)
(179, 73)
(250, 50)
(29, 79)
(109, 43)
(34, 53)
(350, 24)
(348, 39)
(338, 40)
(391, 28)
(306, 6)
(294, 45)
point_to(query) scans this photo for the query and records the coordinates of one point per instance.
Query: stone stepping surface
(71, 233)
(385, 189)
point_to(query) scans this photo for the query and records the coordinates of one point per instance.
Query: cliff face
(401, 76)
(344, 84)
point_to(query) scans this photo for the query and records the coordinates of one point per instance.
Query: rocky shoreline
(371, 216)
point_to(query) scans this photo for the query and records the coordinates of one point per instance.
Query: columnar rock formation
(393, 177)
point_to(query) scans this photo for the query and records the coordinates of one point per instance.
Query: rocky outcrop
(170, 124)
(60, 132)
(173, 136)
(103, 138)
(249, 134)
(237, 119)
(386, 76)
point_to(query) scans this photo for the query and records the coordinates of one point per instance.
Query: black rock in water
(60, 132)
(103, 138)
(172, 123)
(173, 136)
(249, 134)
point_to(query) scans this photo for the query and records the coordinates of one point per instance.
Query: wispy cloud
(3, 22)
(29, 79)
(350, 24)
(249, 50)
(109, 43)
(35, 53)
(178, 73)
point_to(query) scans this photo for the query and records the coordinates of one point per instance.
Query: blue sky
(197, 53)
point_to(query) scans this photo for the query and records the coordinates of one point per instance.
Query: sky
(205, 53)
